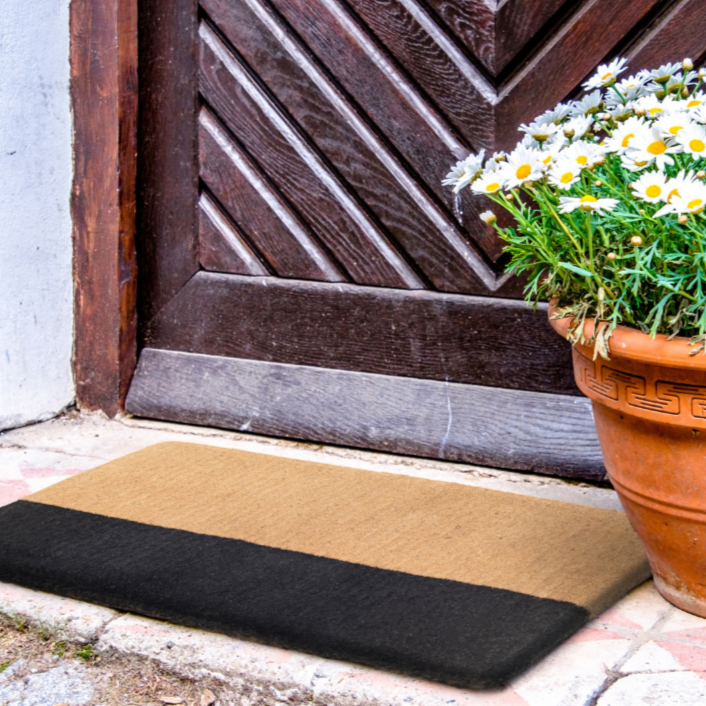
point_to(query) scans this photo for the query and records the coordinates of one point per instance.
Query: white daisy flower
(675, 83)
(619, 141)
(655, 108)
(694, 101)
(583, 154)
(539, 132)
(549, 153)
(675, 189)
(651, 187)
(522, 165)
(587, 105)
(651, 145)
(633, 165)
(691, 199)
(622, 112)
(630, 89)
(568, 204)
(488, 183)
(580, 125)
(607, 74)
(564, 173)
(556, 115)
(664, 73)
(672, 124)
(699, 113)
(693, 140)
(464, 171)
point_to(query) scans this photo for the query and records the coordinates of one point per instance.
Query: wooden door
(303, 271)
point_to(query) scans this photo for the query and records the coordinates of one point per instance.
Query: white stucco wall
(36, 322)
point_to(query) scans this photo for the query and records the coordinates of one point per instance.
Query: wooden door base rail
(512, 429)
(432, 335)
(104, 100)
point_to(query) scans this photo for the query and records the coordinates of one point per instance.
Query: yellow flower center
(493, 187)
(675, 129)
(693, 103)
(694, 203)
(566, 178)
(582, 160)
(696, 145)
(524, 171)
(627, 139)
(653, 191)
(588, 199)
(605, 77)
(546, 160)
(672, 194)
(657, 148)
(654, 111)
(640, 164)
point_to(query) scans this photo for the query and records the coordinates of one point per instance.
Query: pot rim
(632, 343)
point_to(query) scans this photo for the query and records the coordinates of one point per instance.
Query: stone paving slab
(641, 651)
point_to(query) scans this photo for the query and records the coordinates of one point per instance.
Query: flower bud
(488, 217)
(685, 92)
(640, 112)
(598, 183)
(661, 94)
(606, 117)
(611, 256)
(687, 64)
(636, 240)
(601, 160)
(509, 197)
(683, 219)
(642, 211)
(569, 132)
(702, 74)
(701, 174)
(597, 127)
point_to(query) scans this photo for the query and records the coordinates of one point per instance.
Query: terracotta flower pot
(649, 403)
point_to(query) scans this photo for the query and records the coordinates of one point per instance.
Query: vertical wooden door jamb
(104, 101)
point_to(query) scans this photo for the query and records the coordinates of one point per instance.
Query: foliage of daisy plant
(608, 197)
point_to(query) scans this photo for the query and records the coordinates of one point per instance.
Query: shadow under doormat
(433, 579)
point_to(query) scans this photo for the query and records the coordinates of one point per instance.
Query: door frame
(104, 98)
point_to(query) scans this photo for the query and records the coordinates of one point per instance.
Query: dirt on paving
(37, 669)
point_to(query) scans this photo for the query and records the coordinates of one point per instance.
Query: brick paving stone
(672, 689)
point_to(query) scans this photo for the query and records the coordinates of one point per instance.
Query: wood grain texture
(222, 245)
(678, 32)
(571, 53)
(526, 431)
(104, 102)
(353, 146)
(257, 207)
(393, 332)
(167, 159)
(357, 240)
(439, 73)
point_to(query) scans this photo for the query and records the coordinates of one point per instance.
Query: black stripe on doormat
(460, 634)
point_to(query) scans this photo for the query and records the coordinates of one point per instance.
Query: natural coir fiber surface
(438, 580)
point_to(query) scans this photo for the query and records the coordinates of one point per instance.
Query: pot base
(682, 598)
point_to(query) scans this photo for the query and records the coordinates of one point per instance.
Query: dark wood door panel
(492, 342)
(294, 151)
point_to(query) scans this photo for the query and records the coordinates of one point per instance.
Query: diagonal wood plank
(222, 247)
(367, 162)
(268, 219)
(299, 170)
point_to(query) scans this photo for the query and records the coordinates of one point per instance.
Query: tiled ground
(642, 651)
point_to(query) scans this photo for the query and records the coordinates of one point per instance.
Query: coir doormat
(433, 579)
